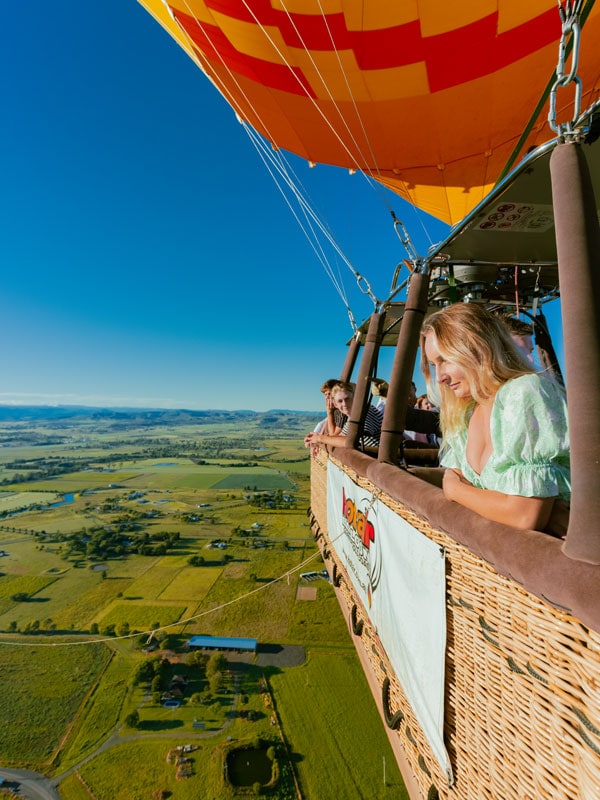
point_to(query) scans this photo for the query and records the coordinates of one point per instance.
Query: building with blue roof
(222, 643)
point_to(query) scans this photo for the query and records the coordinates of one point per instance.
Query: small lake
(67, 498)
(247, 767)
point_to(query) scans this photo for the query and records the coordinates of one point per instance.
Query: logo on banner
(360, 531)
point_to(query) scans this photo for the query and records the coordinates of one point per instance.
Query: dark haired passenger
(379, 389)
(342, 396)
(522, 335)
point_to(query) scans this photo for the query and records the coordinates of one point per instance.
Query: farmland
(123, 535)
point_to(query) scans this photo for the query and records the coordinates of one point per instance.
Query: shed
(222, 643)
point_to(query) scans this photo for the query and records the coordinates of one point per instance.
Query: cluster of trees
(214, 668)
(110, 542)
(201, 561)
(37, 469)
(270, 499)
(110, 629)
(36, 626)
(209, 670)
(154, 671)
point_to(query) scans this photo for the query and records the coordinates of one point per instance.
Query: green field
(43, 691)
(337, 692)
(69, 684)
(12, 501)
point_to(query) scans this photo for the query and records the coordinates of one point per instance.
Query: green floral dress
(530, 439)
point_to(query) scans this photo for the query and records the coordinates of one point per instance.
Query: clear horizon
(147, 407)
(151, 260)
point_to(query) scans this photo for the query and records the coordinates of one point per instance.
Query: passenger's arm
(528, 513)
(315, 439)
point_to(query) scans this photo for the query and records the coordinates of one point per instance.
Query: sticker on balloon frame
(521, 217)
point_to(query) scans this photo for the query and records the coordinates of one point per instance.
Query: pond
(250, 766)
(67, 498)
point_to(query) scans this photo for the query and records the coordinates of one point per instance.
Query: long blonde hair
(481, 345)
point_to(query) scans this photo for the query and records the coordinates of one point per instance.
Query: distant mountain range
(156, 416)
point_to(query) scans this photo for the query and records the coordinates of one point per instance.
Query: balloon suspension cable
(404, 237)
(570, 13)
(280, 166)
(353, 323)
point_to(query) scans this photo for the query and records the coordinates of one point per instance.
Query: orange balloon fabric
(428, 97)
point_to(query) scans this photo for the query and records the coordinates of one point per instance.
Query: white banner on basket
(399, 576)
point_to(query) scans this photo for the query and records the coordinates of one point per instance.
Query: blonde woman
(505, 429)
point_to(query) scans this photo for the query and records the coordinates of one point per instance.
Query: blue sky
(149, 258)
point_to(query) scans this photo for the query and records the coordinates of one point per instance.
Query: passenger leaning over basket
(506, 439)
(342, 395)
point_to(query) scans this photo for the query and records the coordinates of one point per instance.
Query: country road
(30, 784)
(33, 786)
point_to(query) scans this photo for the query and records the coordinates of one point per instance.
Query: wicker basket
(522, 699)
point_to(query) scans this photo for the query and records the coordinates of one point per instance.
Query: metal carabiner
(570, 35)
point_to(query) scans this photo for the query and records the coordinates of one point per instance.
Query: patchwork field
(154, 540)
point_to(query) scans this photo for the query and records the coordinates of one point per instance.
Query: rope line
(367, 172)
(172, 624)
(284, 170)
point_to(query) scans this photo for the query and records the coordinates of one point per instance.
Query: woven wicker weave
(522, 708)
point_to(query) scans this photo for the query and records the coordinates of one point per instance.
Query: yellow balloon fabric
(428, 97)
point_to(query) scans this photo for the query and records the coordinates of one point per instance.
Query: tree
(216, 681)
(216, 663)
(133, 720)
(197, 659)
(166, 641)
(144, 672)
(12, 627)
(94, 628)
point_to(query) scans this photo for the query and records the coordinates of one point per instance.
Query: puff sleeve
(452, 451)
(530, 437)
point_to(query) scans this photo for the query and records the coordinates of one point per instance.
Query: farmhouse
(222, 643)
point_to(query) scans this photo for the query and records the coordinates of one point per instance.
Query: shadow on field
(277, 655)
(159, 724)
(249, 714)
